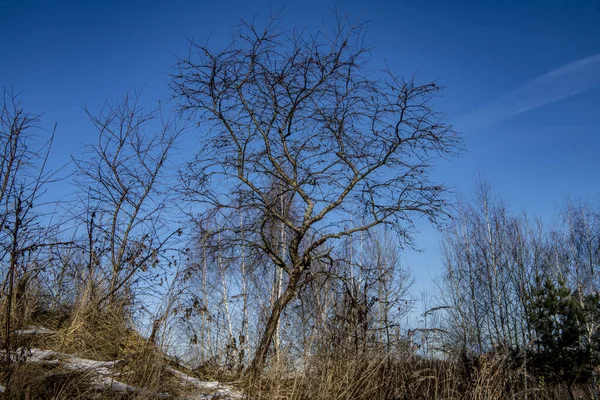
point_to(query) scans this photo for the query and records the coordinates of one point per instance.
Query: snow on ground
(218, 389)
(102, 373)
(34, 330)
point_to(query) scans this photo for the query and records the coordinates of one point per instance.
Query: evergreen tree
(563, 349)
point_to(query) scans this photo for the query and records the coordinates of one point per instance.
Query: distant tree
(491, 257)
(348, 147)
(371, 296)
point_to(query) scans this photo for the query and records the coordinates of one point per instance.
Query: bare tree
(120, 180)
(371, 296)
(351, 148)
(484, 253)
(24, 235)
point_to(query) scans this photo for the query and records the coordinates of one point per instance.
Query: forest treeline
(526, 288)
(273, 255)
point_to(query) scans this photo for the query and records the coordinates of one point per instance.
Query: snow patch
(101, 372)
(220, 390)
(35, 330)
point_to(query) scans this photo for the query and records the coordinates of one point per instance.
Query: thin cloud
(556, 85)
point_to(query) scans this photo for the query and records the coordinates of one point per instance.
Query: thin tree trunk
(206, 339)
(278, 285)
(244, 335)
(14, 253)
(222, 271)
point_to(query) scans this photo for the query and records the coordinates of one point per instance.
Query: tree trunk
(260, 358)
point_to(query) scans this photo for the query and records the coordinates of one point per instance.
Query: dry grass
(101, 335)
(106, 335)
(32, 381)
(365, 377)
(377, 377)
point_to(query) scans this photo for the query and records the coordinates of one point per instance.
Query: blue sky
(522, 77)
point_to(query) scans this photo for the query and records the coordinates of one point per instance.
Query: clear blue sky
(522, 77)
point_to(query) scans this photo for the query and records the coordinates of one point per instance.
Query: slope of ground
(48, 373)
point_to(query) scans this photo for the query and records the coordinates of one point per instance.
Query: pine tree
(562, 350)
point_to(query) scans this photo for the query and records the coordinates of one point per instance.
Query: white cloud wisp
(556, 85)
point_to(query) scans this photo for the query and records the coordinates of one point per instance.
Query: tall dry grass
(381, 377)
(109, 334)
(91, 333)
